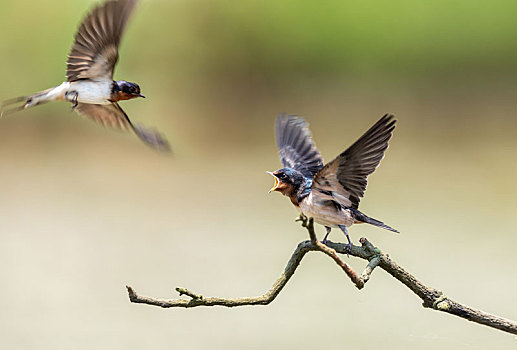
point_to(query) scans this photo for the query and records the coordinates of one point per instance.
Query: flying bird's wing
(95, 50)
(296, 147)
(111, 115)
(344, 178)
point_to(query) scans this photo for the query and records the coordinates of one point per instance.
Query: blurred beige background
(86, 210)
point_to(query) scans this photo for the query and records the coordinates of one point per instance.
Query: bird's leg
(345, 231)
(328, 228)
(73, 99)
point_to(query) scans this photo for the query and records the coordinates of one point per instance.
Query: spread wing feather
(346, 175)
(296, 147)
(94, 53)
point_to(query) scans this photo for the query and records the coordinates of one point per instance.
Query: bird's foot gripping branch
(366, 251)
(431, 297)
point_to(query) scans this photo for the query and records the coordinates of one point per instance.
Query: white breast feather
(94, 92)
(324, 214)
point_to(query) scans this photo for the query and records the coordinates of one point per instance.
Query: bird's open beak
(276, 182)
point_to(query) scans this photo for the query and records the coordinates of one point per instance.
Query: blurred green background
(86, 210)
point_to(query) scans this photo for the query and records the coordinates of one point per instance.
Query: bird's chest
(324, 212)
(94, 92)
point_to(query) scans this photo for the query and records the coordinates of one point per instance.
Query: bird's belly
(325, 214)
(94, 92)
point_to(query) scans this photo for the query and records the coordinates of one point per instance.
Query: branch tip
(132, 294)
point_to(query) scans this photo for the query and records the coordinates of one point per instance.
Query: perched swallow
(328, 193)
(89, 82)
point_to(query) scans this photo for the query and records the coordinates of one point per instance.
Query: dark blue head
(287, 181)
(126, 90)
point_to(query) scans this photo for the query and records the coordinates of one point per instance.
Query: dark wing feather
(346, 176)
(111, 115)
(296, 147)
(95, 50)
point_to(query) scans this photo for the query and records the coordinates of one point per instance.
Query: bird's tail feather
(28, 101)
(368, 220)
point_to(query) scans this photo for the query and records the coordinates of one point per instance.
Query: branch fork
(431, 298)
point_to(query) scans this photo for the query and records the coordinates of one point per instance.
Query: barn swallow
(89, 84)
(328, 193)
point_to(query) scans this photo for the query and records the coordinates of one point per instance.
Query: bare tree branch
(309, 225)
(432, 298)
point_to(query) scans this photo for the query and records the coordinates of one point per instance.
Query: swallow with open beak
(328, 193)
(89, 84)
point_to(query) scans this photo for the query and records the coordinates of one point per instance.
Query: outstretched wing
(95, 50)
(111, 115)
(296, 147)
(346, 176)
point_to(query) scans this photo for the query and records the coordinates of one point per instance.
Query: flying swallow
(89, 84)
(328, 193)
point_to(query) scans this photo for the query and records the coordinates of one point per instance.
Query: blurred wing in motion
(111, 115)
(346, 176)
(152, 138)
(95, 50)
(296, 147)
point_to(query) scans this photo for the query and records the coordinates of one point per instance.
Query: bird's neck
(300, 192)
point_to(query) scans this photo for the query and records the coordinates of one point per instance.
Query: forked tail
(366, 219)
(8, 106)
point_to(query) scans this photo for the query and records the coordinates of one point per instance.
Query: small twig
(365, 276)
(431, 297)
(184, 291)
